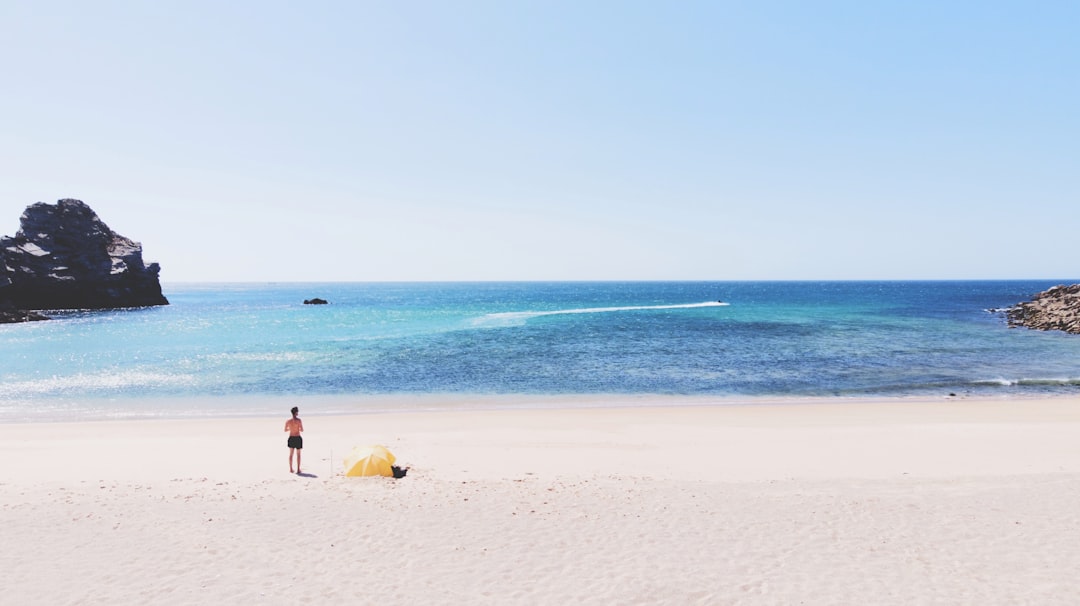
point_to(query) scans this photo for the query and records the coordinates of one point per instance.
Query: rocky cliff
(1055, 309)
(65, 257)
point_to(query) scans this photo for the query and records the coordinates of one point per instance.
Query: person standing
(296, 443)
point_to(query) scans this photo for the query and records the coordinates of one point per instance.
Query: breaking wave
(1036, 382)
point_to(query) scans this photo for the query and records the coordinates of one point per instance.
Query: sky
(554, 140)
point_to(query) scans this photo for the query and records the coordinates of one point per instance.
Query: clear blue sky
(547, 140)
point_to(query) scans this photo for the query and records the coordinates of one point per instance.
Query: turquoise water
(258, 341)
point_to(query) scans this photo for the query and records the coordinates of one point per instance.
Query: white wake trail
(507, 317)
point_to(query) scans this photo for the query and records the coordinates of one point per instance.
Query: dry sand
(833, 502)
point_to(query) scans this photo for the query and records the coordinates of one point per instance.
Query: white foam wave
(998, 381)
(1051, 381)
(1031, 382)
(517, 317)
(259, 357)
(90, 382)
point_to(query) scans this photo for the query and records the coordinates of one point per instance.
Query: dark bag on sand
(399, 472)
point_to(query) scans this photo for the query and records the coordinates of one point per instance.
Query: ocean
(240, 349)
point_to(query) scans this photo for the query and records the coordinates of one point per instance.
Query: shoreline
(254, 407)
(884, 502)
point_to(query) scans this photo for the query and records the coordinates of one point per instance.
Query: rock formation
(1055, 309)
(65, 257)
(10, 315)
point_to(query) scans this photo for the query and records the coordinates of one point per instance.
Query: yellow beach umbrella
(370, 461)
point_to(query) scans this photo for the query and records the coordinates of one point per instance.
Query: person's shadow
(304, 474)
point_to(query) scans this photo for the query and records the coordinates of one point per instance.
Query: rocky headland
(1057, 308)
(65, 257)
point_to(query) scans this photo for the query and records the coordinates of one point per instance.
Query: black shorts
(296, 442)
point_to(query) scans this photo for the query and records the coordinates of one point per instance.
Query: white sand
(836, 502)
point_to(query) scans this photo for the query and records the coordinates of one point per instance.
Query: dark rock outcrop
(315, 301)
(65, 257)
(1055, 309)
(10, 315)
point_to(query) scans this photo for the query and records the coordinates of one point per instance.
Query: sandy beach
(947, 501)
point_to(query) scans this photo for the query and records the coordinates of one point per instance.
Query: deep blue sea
(774, 339)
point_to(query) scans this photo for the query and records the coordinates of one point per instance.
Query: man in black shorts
(296, 443)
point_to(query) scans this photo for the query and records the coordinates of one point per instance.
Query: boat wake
(512, 318)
